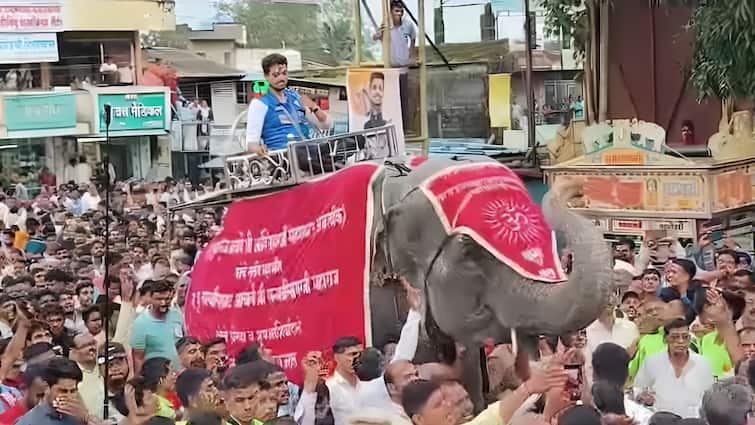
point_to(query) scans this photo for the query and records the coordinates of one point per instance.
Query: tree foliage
(567, 19)
(327, 31)
(275, 25)
(724, 49)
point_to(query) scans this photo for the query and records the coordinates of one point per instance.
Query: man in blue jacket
(282, 115)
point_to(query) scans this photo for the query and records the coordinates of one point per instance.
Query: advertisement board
(26, 16)
(135, 111)
(734, 188)
(28, 48)
(646, 191)
(40, 112)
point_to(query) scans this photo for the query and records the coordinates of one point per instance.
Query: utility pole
(529, 28)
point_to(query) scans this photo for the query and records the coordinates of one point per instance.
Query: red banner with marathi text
(488, 202)
(289, 270)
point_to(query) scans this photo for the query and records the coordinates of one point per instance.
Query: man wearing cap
(116, 359)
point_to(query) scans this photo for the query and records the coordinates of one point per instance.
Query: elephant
(469, 294)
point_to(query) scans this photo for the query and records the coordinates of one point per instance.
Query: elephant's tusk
(514, 345)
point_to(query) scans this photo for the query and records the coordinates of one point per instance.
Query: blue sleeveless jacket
(277, 126)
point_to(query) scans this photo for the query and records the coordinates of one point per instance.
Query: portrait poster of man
(375, 101)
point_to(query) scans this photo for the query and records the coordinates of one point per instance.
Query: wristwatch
(315, 110)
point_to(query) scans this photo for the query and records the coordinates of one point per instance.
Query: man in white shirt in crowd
(347, 393)
(609, 328)
(674, 381)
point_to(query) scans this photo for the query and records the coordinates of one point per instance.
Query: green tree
(724, 54)
(276, 25)
(337, 33)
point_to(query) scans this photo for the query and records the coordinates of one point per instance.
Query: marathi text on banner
(289, 270)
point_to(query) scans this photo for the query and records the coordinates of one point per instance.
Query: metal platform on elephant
(251, 174)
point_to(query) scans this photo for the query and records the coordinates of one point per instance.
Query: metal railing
(302, 160)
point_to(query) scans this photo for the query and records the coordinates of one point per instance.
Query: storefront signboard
(135, 111)
(30, 16)
(40, 112)
(734, 188)
(28, 48)
(678, 228)
(656, 192)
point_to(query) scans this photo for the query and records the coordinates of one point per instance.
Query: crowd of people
(82, 346)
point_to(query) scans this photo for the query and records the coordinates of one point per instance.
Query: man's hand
(308, 102)
(311, 365)
(258, 149)
(136, 415)
(413, 295)
(647, 398)
(379, 34)
(704, 240)
(127, 284)
(716, 309)
(73, 407)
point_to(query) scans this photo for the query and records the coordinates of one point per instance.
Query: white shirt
(108, 67)
(682, 395)
(347, 401)
(639, 413)
(623, 332)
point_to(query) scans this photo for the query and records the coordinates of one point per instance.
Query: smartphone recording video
(574, 381)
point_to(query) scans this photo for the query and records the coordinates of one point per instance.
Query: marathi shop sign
(135, 111)
(40, 112)
(28, 16)
(27, 48)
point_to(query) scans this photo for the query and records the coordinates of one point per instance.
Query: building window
(560, 93)
(242, 90)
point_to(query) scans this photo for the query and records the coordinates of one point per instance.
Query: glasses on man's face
(678, 337)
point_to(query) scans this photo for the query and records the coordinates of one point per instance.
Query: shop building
(636, 187)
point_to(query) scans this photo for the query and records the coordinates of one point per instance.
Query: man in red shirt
(35, 391)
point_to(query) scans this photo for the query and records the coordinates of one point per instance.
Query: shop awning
(190, 65)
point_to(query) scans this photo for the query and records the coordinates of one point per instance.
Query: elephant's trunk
(556, 309)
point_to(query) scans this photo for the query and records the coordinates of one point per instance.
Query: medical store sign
(135, 111)
(30, 16)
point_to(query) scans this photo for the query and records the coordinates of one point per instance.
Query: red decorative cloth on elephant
(489, 203)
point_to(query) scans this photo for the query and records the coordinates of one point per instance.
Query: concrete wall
(119, 15)
(216, 50)
(649, 52)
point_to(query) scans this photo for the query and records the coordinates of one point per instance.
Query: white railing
(303, 160)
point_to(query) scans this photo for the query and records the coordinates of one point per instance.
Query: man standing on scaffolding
(282, 115)
(403, 39)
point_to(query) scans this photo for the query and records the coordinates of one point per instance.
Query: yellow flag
(500, 100)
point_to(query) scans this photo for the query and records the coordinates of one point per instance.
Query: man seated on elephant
(347, 393)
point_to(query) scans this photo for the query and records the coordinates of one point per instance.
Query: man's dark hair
(153, 371)
(189, 384)
(246, 375)
(610, 363)
(186, 340)
(689, 124)
(59, 368)
(376, 76)
(397, 4)
(249, 354)
(212, 342)
(159, 286)
(53, 310)
(746, 273)
(651, 271)
(37, 349)
(370, 367)
(48, 293)
(580, 415)
(33, 372)
(416, 394)
(89, 311)
(271, 60)
(628, 243)
(58, 275)
(676, 324)
(207, 418)
(83, 284)
(345, 342)
(730, 252)
(629, 294)
(664, 418)
(744, 256)
(608, 397)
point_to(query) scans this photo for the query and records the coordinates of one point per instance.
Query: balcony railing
(303, 160)
(192, 135)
